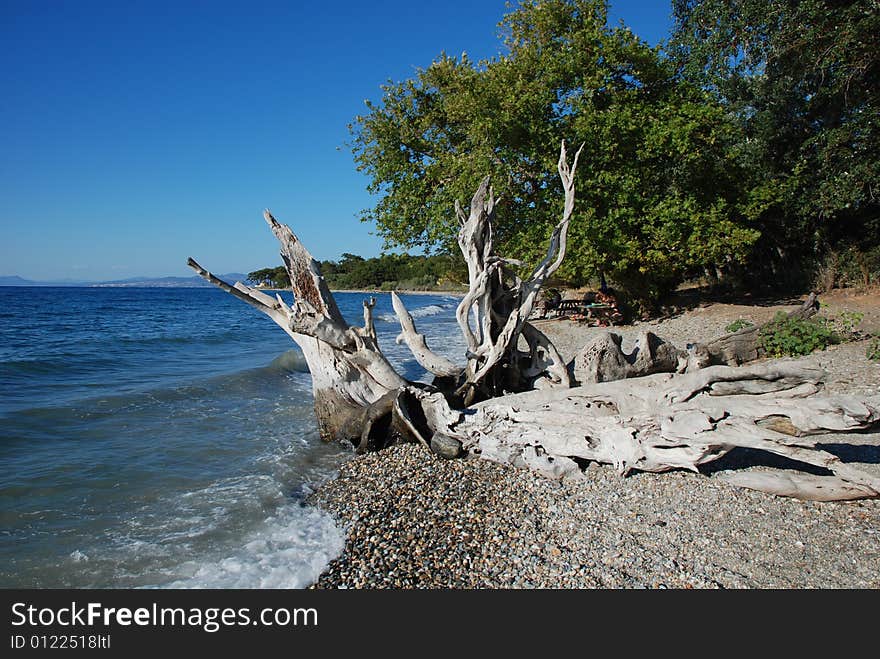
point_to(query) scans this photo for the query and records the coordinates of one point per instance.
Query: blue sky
(135, 134)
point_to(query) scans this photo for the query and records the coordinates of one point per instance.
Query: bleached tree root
(672, 421)
(349, 371)
(494, 312)
(650, 423)
(603, 358)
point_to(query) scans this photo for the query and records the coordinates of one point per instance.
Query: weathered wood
(349, 371)
(631, 410)
(546, 368)
(668, 421)
(744, 345)
(418, 346)
(799, 486)
(500, 309)
(603, 358)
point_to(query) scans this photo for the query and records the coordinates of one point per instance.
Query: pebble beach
(415, 520)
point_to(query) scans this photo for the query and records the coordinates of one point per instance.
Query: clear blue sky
(134, 134)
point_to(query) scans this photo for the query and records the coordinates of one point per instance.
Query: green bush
(873, 351)
(737, 325)
(844, 325)
(786, 336)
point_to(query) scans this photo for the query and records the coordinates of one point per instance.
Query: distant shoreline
(402, 291)
(374, 291)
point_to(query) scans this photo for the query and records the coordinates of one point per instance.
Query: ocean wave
(287, 367)
(289, 550)
(291, 361)
(419, 312)
(214, 338)
(55, 364)
(238, 532)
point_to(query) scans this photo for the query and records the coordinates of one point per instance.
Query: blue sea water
(157, 437)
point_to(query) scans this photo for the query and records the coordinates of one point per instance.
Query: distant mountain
(168, 282)
(133, 282)
(15, 280)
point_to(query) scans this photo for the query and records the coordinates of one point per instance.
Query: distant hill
(133, 282)
(15, 280)
(169, 282)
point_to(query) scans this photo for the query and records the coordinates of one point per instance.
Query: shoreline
(414, 520)
(400, 292)
(376, 291)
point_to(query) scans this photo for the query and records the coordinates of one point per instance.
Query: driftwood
(666, 421)
(655, 409)
(349, 371)
(603, 359)
(744, 346)
(493, 313)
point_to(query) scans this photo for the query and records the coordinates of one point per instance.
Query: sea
(166, 438)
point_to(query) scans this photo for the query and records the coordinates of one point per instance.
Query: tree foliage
(803, 79)
(661, 188)
(392, 272)
(271, 277)
(385, 272)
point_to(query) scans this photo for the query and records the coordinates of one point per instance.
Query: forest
(387, 272)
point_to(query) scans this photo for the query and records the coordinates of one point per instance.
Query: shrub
(737, 325)
(786, 336)
(873, 351)
(844, 325)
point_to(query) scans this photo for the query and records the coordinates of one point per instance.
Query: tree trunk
(603, 359)
(667, 421)
(349, 372)
(518, 406)
(744, 345)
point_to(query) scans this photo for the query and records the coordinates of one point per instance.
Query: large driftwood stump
(670, 421)
(358, 394)
(603, 358)
(349, 371)
(519, 406)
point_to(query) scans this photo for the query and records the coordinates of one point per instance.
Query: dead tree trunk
(665, 421)
(744, 345)
(349, 372)
(493, 313)
(603, 359)
(358, 394)
(519, 406)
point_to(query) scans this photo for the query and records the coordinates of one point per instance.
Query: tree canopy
(663, 189)
(747, 145)
(385, 272)
(802, 78)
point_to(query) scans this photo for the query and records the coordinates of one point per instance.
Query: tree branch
(429, 360)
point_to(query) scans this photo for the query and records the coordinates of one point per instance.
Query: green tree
(392, 271)
(662, 189)
(803, 79)
(274, 277)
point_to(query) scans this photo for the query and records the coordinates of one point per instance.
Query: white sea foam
(289, 550)
(419, 312)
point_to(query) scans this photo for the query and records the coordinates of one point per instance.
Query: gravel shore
(414, 520)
